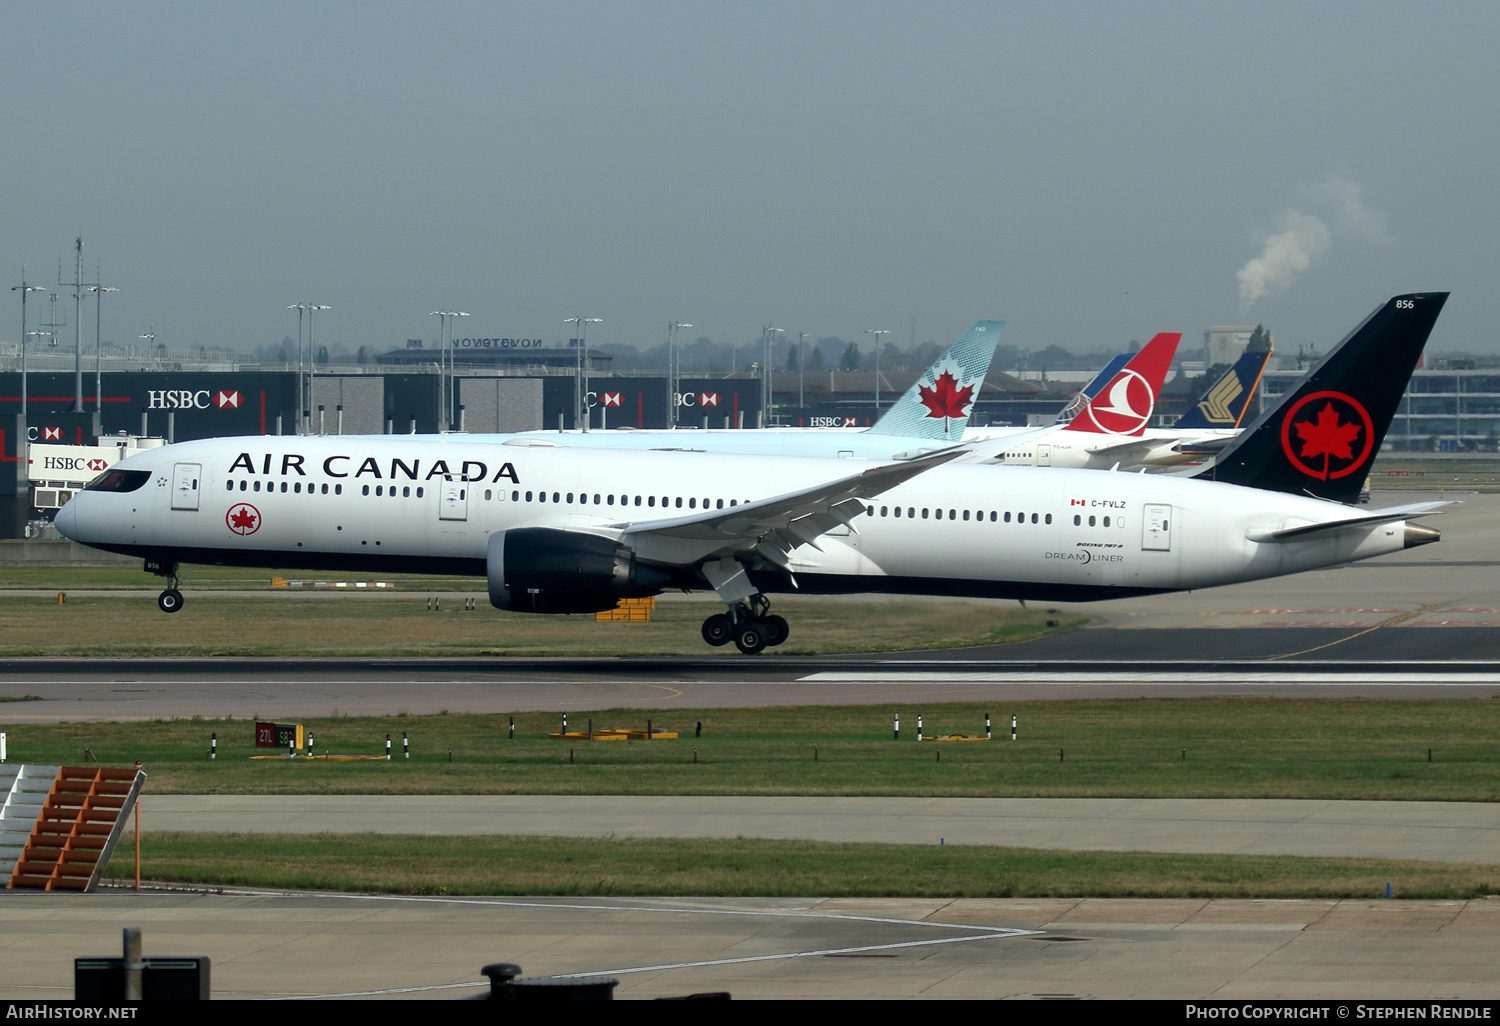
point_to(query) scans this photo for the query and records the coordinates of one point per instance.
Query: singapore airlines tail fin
(1320, 438)
(1092, 389)
(938, 404)
(1124, 406)
(1224, 405)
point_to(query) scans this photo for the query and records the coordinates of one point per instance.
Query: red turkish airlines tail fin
(1124, 406)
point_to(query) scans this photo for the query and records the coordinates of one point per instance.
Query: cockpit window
(118, 481)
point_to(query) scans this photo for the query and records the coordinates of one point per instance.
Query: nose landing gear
(750, 625)
(170, 600)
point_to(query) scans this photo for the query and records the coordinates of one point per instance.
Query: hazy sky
(1092, 173)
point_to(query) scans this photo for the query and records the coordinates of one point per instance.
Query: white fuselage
(1056, 446)
(423, 505)
(1050, 446)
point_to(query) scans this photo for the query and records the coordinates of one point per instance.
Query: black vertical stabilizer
(1321, 437)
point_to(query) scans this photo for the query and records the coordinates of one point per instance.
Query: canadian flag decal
(228, 400)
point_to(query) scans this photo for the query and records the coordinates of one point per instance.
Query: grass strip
(1200, 747)
(128, 574)
(331, 623)
(390, 864)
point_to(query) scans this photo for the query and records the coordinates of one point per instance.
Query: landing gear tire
(750, 637)
(776, 629)
(718, 630)
(169, 601)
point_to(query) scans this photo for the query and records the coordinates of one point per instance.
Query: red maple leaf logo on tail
(1326, 437)
(1345, 445)
(945, 398)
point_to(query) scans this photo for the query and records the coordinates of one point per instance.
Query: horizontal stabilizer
(1373, 518)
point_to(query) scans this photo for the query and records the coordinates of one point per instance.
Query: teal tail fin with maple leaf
(1321, 437)
(938, 404)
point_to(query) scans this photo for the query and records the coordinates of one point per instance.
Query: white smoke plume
(1301, 238)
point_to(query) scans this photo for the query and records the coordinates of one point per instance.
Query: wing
(770, 528)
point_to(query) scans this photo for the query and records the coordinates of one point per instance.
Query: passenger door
(185, 478)
(453, 500)
(1156, 528)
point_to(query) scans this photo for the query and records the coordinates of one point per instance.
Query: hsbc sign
(697, 398)
(71, 463)
(170, 399)
(184, 399)
(61, 463)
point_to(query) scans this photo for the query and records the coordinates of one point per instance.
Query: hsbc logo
(228, 400)
(175, 399)
(699, 399)
(52, 434)
(72, 463)
(610, 398)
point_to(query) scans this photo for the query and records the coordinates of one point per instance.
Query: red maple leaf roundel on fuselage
(243, 518)
(945, 398)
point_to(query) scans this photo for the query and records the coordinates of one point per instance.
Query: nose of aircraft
(66, 519)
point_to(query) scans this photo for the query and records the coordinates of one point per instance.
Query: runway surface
(91, 691)
(1464, 832)
(1424, 623)
(304, 945)
(1421, 623)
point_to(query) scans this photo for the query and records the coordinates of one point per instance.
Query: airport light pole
(877, 332)
(581, 412)
(674, 370)
(446, 405)
(301, 402)
(98, 291)
(768, 340)
(801, 367)
(304, 414)
(21, 437)
(78, 286)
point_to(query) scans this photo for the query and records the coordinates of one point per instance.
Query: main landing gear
(750, 625)
(170, 600)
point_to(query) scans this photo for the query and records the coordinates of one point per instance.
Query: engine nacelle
(544, 570)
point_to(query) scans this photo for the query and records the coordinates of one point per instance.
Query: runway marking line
(1392, 622)
(985, 933)
(1134, 678)
(1455, 623)
(1301, 612)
